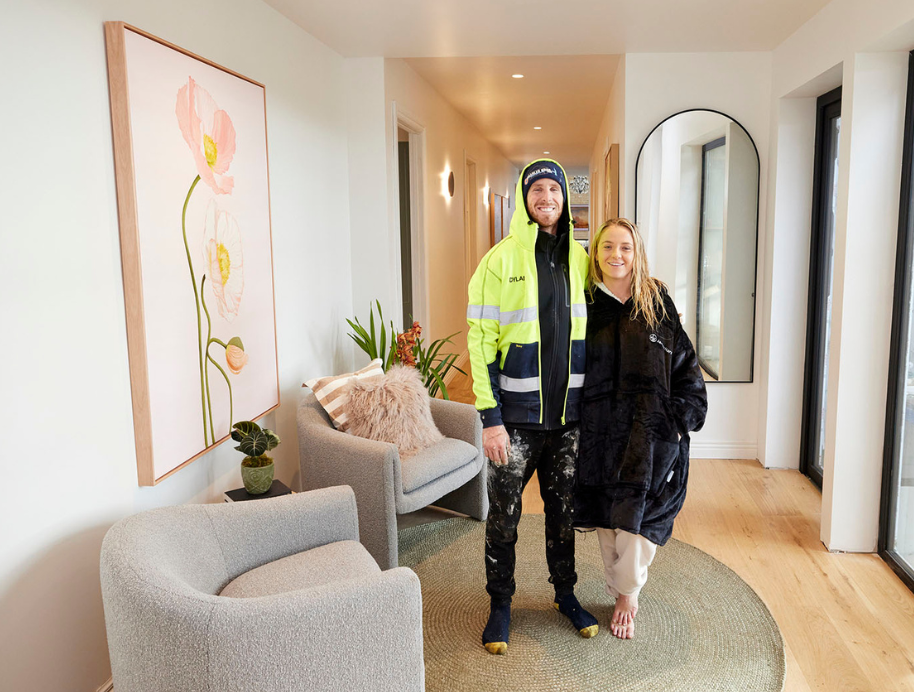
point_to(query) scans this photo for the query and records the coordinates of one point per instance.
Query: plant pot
(257, 479)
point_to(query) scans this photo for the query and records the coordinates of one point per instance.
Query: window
(821, 253)
(896, 536)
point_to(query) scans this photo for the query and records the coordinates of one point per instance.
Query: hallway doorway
(406, 252)
(411, 271)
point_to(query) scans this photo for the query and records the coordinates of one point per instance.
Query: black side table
(240, 494)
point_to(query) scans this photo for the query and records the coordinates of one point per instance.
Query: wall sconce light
(450, 183)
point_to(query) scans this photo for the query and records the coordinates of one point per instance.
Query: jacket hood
(523, 228)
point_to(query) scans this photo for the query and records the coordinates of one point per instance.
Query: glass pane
(831, 193)
(711, 259)
(901, 537)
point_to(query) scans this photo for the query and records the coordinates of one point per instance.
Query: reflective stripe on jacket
(504, 336)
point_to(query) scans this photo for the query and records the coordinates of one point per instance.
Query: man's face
(544, 203)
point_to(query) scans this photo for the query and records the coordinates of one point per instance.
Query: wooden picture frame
(197, 267)
(611, 183)
(580, 217)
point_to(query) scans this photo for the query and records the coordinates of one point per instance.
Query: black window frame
(894, 414)
(827, 106)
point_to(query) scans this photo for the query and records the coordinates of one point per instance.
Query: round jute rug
(699, 627)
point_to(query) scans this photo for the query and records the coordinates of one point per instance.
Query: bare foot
(623, 622)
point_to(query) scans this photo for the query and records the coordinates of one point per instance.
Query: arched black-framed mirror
(697, 206)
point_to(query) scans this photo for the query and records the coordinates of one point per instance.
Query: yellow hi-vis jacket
(504, 335)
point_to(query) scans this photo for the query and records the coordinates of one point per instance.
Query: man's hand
(495, 444)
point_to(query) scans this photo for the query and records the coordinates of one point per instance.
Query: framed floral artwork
(190, 152)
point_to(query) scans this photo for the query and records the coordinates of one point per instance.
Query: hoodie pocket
(665, 458)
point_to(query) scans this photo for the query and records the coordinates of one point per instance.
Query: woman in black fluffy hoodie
(643, 394)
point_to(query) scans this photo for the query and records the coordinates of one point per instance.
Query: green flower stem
(229, 384)
(209, 330)
(216, 341)
(193, 283)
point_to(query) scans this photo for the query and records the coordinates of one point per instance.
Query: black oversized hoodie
(643, 395)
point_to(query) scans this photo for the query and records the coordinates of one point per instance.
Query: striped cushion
(333, 392)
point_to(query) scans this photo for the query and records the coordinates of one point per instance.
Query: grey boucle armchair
(310, 610)
(450, 474)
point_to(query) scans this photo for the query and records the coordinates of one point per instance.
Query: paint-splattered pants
(552, 454)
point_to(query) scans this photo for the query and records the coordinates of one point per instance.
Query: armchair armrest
(372, 469)
(330, 457)
(378, 615)
(457, 421)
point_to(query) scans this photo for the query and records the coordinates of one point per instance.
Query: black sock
(569, 606)
(497, 627)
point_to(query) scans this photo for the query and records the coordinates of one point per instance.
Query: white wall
(65, 403)
(449, 138)
(866, 229)
(612, 131)
(782, 322)
(832, 47)
(373, 247)
(740, 251)
(737, 84)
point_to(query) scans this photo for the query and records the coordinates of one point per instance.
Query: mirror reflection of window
(711, 255)
(696, 203)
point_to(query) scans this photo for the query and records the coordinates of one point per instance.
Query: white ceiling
(444, 39)
(467, 28)
(564, 95)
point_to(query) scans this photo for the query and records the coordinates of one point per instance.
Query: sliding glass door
(896, 538)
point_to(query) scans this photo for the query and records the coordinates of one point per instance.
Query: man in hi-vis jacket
(527, 318)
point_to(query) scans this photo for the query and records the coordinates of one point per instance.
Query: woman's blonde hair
(646, 291)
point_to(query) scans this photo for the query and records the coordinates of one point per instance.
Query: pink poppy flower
(223, 259)
(209, 133)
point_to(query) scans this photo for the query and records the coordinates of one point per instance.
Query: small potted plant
(257, 466)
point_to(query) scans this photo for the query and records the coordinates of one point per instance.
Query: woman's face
(616, 254)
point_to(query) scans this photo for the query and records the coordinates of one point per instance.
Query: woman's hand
(495, 444)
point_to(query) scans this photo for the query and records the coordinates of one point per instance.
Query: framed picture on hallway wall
(611, 182)
(579, 215)
(190, 153)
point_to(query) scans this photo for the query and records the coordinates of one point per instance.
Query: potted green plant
(405, 348)
(257, 466)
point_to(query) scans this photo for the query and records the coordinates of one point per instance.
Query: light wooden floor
(847, 620)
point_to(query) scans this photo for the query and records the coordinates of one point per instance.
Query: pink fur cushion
(393, 408)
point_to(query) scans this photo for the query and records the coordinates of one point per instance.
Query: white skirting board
(107, 686)
(723, 450)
